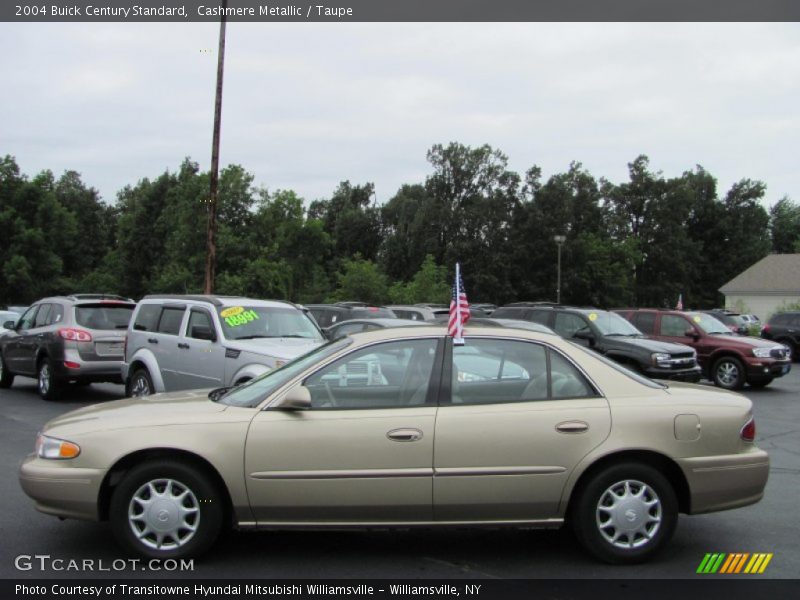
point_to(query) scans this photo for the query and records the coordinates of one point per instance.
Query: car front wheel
(140, 384)
(166, 509)
(625, 513)
(728, 373)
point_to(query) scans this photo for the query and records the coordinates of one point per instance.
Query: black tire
(47, 383)
(139, 384)
(760, 383)
(6, 377)
(203, 499)
(631, 545)
(728, 373)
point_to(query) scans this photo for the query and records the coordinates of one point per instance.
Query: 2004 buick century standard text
(399, 427)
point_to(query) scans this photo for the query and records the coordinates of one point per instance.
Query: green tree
(361, 280)
(785, 226)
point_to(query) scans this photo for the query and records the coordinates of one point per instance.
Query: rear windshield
(254, 322)
(372, 312)
(103, 315)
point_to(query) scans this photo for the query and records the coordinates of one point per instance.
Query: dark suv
(330, 314)
(734, 321)
(727, 359)
(78, 338)
(610, 334)
(784, 328)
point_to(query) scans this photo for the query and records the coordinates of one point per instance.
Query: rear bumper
(725, 482)
(61, 490)
(94, 370)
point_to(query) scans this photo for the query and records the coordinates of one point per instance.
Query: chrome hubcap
(164, 514)
(628, 514)
(44, 378)
(140, 387)
(727, 373)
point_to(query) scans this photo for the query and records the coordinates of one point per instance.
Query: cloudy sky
(308, 105)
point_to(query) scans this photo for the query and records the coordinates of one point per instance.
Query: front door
(520, 419)
(362, 453)
(20, 347)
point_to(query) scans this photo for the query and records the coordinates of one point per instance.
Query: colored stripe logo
(736, 562)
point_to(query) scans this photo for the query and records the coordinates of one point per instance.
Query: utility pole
(211, 230)
(559, 240)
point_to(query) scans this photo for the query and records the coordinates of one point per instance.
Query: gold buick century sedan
(402, 428)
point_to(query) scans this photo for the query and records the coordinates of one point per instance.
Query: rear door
(520, 418)
(164, 343)
(201, 362)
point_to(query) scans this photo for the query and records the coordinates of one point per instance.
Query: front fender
(250, 371)
(146, 358)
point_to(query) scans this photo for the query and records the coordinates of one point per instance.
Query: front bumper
(725, 482)
(765, 368)
(692, 375)
(60, 489)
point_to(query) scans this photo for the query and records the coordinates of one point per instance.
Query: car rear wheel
(6, 377)
(166, 509)
(625, 513)
(47, 383)
(728, 373)
(140, 384)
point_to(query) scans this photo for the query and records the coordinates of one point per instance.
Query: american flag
(459, 309)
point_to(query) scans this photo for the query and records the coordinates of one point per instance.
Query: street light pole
(559, 240)
(211, 228)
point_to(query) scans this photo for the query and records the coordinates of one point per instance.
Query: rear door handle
(152, 341)
(572, 427)
(184, 346)
(404, 435)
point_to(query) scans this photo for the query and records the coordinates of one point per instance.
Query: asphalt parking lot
(769, 526)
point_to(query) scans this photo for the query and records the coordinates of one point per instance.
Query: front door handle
(404, 435)
(152, 340)
(572, 427)
(183, 346)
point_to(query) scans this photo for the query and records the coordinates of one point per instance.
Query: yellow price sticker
(233, 310)
(697, 318)
(593, 317)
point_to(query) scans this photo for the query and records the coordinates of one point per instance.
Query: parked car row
(176, 342)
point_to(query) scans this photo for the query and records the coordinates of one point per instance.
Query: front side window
(674, 326)
(254, 322)
(42, 316)
(566, 324)
(199, 324)
(389, 375)
(26, 321)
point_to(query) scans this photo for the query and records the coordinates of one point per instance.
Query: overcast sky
(308, 105)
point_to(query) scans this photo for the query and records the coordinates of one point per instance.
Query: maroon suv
(727, 359)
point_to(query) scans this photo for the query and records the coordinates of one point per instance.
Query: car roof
(428, 329)
(222, 300)
(385, 322)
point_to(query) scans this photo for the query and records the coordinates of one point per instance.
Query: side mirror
(9, 325)
(584, 334)
(692, 333)
(203, 333)
(297, 398)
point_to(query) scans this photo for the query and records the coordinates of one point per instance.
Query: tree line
(641, 242)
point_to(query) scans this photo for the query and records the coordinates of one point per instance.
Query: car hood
(186, 407)
(740, 341)
(651, 345)
(284, 348)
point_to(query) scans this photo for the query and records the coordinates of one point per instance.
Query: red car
(727, 359)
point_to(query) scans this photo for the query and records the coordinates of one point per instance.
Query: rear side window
(645, 322)
(538, 316)
(170, 322)
(147, 317)
(103, 316)
(782, 319)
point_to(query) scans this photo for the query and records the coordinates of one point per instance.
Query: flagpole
(459, 338)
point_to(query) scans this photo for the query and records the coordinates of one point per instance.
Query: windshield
(253, 322)
(253, 392)
(612, 324)
(708, 323)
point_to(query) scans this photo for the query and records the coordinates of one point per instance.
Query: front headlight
(661, 359)
(49, 447)
(762, 352)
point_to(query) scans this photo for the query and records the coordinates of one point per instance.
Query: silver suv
(63, 339)
(193, 342)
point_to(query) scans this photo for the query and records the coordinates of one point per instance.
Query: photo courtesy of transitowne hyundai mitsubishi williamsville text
(206, 591)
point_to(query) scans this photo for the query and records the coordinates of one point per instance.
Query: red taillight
(125, 348)
(75, 335)
(71, 365)
(748, 432)
(765, 328)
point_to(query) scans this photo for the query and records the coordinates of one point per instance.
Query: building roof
(773, 274)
